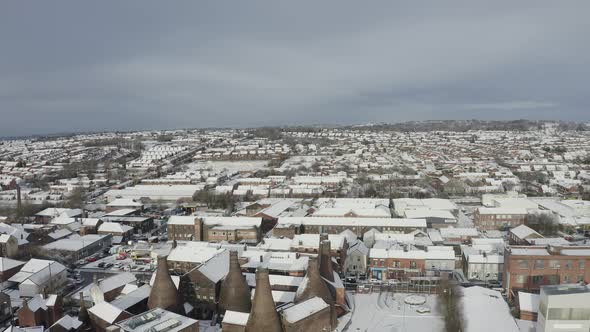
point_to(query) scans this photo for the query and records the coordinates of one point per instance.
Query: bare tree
(544, 223)
(449, 304)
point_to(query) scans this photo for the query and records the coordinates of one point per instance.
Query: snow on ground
(387, 312)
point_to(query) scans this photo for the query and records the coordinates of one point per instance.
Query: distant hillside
(465, 125)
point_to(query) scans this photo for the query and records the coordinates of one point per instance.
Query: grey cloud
(144, 64)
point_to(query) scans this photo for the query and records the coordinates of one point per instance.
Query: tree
(544, 223)
(77, 198)
(449, 304)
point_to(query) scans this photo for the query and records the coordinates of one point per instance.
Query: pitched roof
(7, 264)
(106, 311)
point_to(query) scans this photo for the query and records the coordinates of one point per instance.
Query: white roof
(400, 253)
(427, 213)
(503, 210)
(181, 220)
(175, 280)
(279, 296)
(353, 222)
(236, 318)
(193, 253)
(528, 302)
(114, 227)
(523, 231)
(275, 279)
(106, 311)
(487, 259)
(275, 244)
(531, 251)
(304, 309)
(55, 212)
(232, 221)
(120, 212)
(484, 310)
(450, 232)
(378, 212)
(7, 264)
(313, 241)
(74, 243)
(125, 202)
(217, 267)
(68, 323)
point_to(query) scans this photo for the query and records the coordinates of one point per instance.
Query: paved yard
(387, 312)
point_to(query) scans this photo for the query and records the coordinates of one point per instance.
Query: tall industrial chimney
(264, 316)
(164, 293)
(313, 285)
(235, 293)
(326, 269)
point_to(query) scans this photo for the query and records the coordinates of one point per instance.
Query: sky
(70, 66)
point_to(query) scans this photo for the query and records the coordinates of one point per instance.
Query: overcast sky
(121, 65)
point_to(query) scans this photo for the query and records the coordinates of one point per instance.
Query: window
(396, 264)
(580, 278)
(553, 280)
(567, 279)
(581, 264)
(554, 264)
(537, 280)
(381, 262)
(568, 314)
(539, 264)
(520, 279)
(568, 264)
(523, 264)
(413, 264)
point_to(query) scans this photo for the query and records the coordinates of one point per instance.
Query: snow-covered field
(388, 312)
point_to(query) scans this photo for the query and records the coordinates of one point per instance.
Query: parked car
(392, 282)
(108, 265)
(101, 264)
(350, 280)
(91, 259)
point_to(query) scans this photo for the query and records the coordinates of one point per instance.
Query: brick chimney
(164, 293)
(326, 269)
(264, 316)
(313, 285)
(235, 293)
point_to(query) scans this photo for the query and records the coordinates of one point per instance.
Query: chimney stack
(264, 316)
(313, 285)
(83, 314)
(326, 269)
(235, 293)
(164, 293)
(19, 202)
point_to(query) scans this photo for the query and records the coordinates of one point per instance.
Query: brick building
(527, 268)
(495, 218)
(183, 228)
(401, 262)
(317, 225)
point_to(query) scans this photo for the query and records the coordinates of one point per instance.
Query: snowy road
(388, 312)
